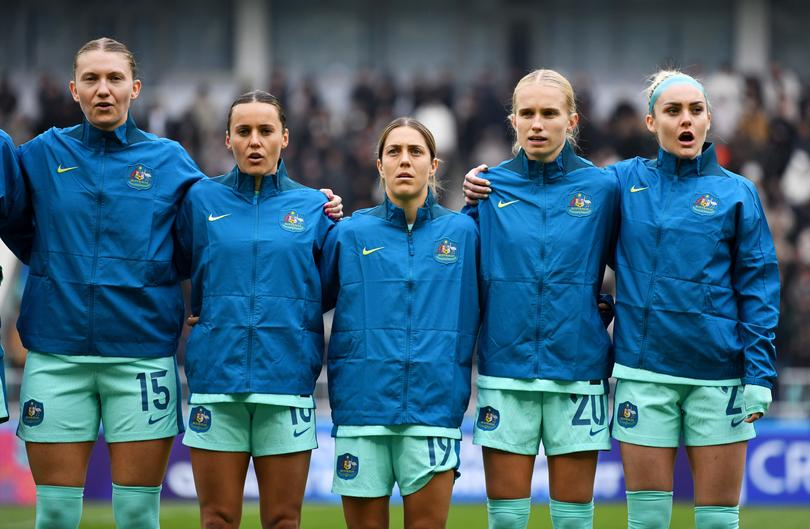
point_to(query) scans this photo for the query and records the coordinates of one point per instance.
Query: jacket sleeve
(329, 267)
(755, 279)
(16, 212)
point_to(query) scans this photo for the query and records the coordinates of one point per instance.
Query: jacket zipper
(651, 286)
(408, 332)
(252, 326)
(541, 273)
(99, 201)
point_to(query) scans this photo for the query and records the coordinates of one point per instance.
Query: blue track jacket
(697, 277)
(256, 285)
(102, 279)
(406, 316)
(547, 231)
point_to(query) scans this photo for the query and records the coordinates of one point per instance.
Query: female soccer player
(102, 307)
(543, 349)
(697, 303)
(252, 239)
(403, 278)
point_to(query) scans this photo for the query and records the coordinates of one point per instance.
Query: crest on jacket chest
(140, 176)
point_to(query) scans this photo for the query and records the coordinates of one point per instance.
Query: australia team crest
(293, 222)
(446, 251)
(347, 466)
(200, 419)
(579, 205)
(488, 418)
(33, 412)
(627, 415)
(704, 204)
(140, 177)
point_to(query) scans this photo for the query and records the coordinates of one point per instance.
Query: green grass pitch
(317, 516)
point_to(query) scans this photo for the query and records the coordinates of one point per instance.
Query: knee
(283, 520)
(217, 518)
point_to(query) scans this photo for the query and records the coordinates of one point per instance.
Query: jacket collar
(396, 214)
(244, 183)
(705, 163)
(121, 137)
(564, 163)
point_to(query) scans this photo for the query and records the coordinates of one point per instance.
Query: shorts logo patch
(446, 252)
(347, 466)
(579, 205)
(200, 419)
(704, 204)
(33, 412)
(140, 178)
(488, 418)
(293, 222)
(628, 415)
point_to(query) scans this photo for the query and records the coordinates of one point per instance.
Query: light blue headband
(673, 80)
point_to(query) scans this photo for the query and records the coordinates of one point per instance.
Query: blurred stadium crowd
(761, 126)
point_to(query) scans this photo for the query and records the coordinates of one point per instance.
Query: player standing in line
(102, 308)
(403, 278)
(252, 240)
(543, 349)
(11, 202)
(697, 304)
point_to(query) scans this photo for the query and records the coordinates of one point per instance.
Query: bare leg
(571, 476)
(140, 463)
(718, 473)
(366, 513)
(220, 481)
(508, 475)
(647, 467)
(59, 464)
(428, 507)
(282, 481)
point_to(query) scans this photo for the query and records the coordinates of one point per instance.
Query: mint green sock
(649, 509)
(712, 517)
(565, 515)
(58, 507)
(136, 507)
(509, 514)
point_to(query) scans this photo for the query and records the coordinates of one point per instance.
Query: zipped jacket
(406, 316)
(255, 284)
(547, 231)
(102, 279)
(697, 277)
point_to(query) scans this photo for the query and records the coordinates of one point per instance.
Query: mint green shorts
(64, 402)
(258, 429)
(658, 414)
(368, 467)
(517, 421)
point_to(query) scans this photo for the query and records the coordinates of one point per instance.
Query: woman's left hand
(753, 417)
(333, 208)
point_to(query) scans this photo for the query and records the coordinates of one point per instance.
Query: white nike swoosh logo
(635, 189)
(212, 218)
(502, 204)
